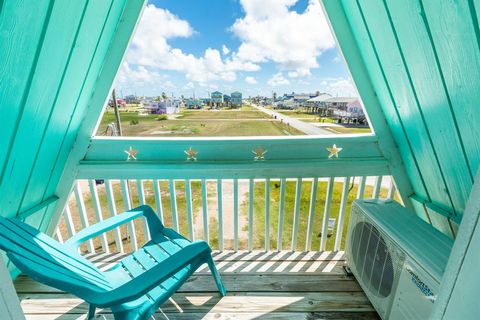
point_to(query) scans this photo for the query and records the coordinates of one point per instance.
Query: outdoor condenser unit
(397, 258)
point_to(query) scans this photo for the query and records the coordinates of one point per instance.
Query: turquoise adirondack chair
(134, 288)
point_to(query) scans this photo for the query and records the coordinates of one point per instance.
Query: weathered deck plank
(273, 285)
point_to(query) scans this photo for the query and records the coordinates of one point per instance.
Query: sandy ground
(228, 209)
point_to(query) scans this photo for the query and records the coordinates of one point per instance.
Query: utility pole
(117, 114)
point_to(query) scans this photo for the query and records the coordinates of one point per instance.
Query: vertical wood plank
(377, 186)
(361, 188)
(406, 101)
(111, 41)
(82, 211)
(206, 236)
(89, 33)
(341, 214)
(391, 189)
(251, 187)
(141, 200)
(98, 212)
(188, 196)
(267, 214)
(173, 204)
(158, 198)
(326, 213)
(311, 214)
(220, 214)
(127, 202)
(58, 235)
(281, 214)
(69, 221)
(296, 213)
(113, 212)
(235, 214)
(455, 56)
(434, 101)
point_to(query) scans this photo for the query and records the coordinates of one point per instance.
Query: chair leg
(91, 312)
(216, 276)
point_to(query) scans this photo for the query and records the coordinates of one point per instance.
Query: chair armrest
(139, 286)
(113, 222)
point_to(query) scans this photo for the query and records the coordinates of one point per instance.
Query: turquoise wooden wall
(51, 54)
(423, 59)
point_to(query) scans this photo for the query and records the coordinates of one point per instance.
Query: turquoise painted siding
(52, 53)
(422, 58)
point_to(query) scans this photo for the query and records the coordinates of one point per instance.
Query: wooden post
(117, 114)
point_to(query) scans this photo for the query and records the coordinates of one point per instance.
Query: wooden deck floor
(273, 285)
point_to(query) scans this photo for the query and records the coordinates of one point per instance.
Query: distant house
(192, 103)
(355, 108)
(167, 106)
(216, 99)
(299, 97)
(227, 100)
(318, 104)
(286, 104)
(339, 103)
(351, 113)
(131, 99)
(236, 99)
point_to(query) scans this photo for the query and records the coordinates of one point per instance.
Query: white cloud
(150, 49)
(250, 80)
(339, 87)
(225, 50)
(278, 80)
(337, 59)
(270, 32)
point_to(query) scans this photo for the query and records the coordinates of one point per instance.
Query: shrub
(162, 117)
(134, 122)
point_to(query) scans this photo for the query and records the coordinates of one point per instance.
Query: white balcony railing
(297, 214)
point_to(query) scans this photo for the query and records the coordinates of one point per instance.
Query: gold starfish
(131, 153)
(191, 154)
(334, 150)
(259, 153)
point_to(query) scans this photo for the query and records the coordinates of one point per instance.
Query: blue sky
(185, 47)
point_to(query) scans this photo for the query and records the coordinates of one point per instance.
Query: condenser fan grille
(372, 259)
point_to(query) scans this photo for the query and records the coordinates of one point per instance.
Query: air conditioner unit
(397, 258)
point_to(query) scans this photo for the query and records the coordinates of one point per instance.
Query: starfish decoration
(131, 153)
(259, 153)
(334, 150)
(191, 154)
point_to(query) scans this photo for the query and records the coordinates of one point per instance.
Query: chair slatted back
(49, 261)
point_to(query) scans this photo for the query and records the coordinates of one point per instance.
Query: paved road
(305, 127)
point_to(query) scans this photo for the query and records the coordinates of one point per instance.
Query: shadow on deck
(261, 285)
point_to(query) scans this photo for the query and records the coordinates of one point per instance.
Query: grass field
(200, 123)
(298, 114)
(344, 130)
(259, 212)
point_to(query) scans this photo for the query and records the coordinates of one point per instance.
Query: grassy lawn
(259, 213)
(244, 113)
(191, 124)
(297, 114)
(344, 130)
